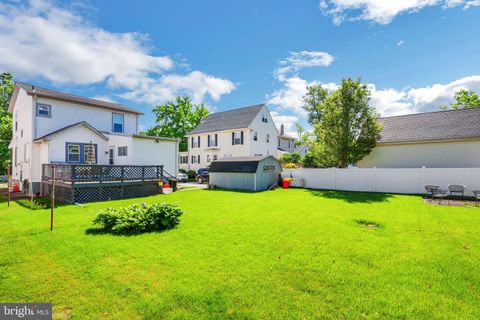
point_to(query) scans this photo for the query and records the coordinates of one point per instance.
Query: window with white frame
(196, 142)
(194, 159)
(44, 110)
(73, 153)
(214, 157)
(268, 138)
(255, 136)
(264, 118)
(183, 159)
(117, 119)
(122, 151)
(212, 140)
(237, 138)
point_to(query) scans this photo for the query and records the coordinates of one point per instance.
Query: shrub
(191, 174)
(182, 170)
(290, 158)
(139, 218)
(291, 166)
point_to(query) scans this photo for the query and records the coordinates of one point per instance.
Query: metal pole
(8, 184)
(52, 200)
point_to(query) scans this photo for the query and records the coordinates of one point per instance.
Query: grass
(295, 254)
(37, 204)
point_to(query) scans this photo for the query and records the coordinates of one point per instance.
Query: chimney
(282, 129)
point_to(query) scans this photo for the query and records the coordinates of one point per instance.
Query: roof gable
(78, 124)
(231, 119)
(439, 125)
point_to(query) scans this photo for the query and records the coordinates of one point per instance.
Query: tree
(314, 100)
(464, 99)
(6, 89)
(304, 137)
(348, 128)
(176, 119)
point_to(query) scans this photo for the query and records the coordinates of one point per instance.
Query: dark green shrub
(191, 174)
(139, 218)
(182, 170)
(291, 158)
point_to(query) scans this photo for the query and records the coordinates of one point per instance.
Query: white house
(243, 132)
(55, 127)
(286, 143)
(442, 139)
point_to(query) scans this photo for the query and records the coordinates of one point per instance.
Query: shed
(245, 173)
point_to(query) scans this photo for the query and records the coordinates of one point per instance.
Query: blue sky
(414, 54)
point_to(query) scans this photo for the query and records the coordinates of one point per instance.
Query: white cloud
(196, 84)
(389, 102)
(301, 60)
(400, 43)
(287, 121)
(42, 39)
(383, 11)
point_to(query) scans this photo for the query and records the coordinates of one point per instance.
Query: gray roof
(237, 164)
(440, 125)
(231, 119)
(57, 95)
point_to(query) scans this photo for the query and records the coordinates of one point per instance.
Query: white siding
(262, 147)
(284, 144)
(460, 154)
(115, 141)
(150, 152)
(64, 114)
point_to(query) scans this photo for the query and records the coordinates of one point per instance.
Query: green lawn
(295, 254)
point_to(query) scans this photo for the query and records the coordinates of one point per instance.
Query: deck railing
(94, 173)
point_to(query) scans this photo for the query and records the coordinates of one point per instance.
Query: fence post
(143, 173)
(100, 176)
(122, 173)
(52, 200)
(8, 184)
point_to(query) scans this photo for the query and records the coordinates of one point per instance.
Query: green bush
(290, 158)
(191, 174)
(139, 218)
(182, 170)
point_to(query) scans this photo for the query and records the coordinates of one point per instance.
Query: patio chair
(440, 194)
(430, 189)
(476, 194)
(456, 188)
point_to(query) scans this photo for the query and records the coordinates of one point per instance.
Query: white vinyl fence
(394, 180)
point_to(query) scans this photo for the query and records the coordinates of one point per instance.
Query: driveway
(191, 185)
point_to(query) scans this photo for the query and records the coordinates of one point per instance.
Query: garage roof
(237, 164)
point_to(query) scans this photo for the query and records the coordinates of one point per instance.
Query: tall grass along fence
(394, 180)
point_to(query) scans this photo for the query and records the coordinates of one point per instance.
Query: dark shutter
(241, 137)
(216, 140)
(208, 141)
(199, 141)
(198, 159)
(192, 157)
(233, 138)
(191, 145)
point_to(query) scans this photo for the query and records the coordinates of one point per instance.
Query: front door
(111, 153)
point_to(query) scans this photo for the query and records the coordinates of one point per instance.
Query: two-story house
(55, 127)
(286, 143)
(242, 132)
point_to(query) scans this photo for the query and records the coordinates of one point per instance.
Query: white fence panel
(394, 180)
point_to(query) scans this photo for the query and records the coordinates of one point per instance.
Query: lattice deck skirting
(90, 192)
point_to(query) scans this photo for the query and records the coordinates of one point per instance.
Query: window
(21, 133)
(237, 138)
(268, 138)
(194, 159)
(117, 119)
(196, 142)
(44, 110)
(255, 136)
(183, 159)
(289, 144)
(26, 150)
(214, 157)
(268, 168)
(279, 143)
(122, 151)
(89, 154)
(208, 158)
(212, 140)
(264, 118)
(73, 153)
(15, 156)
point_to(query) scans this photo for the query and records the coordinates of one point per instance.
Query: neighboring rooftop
(231, 119)
(286, 137)
(57, 95)
(428, 126)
